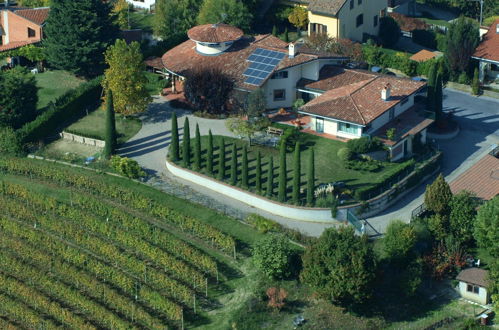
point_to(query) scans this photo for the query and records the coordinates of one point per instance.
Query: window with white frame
(473, 288)
(348, 128)
(280, 75)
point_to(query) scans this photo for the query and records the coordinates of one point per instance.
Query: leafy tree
(462, 39)
(209, 154)
(77, 34)
(475, 85)
(34, 3)
(197, 149)
(487, 227)
(340, 266)
(10, 143)
(241, 127)
(438, 225)
(208, 90)
(311, 177)
(172, 18)
(283, 179)
(389, 31)
(256, 104)
(126, 77)
(186, 145)
(110, 145)
(32, 52)
(258, 175)
(233, 166)
(221, 160)
(18, 97)
(272, 255)
(438, 196)
(399, 240)
(244, 174)
(174, 146)
(231, 12)
(270, 178)
(120, 13)
(296, 174)
(462, 215)
(299, 17)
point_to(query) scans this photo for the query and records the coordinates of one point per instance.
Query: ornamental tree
(272, 255)
(299, 17)
(221, 160)
(244, 171)
(186, 145)
(282, 172)
(270, 178)
(258, 175)
(209, 154)
(296, 174)
(197, 149)
(110, 146)
(310, 178)
(438, 99)
(175, 144)
(438, 196)
(126, 77)
(233, 165)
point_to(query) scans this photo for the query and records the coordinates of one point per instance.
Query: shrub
(368, 165)
(127, 167)
(425, 38)
(263, 225)
(272, 255)
(389, 31)
(438, 196)
(475, 85)
(345, 154)
(364, 145)
(10, 143)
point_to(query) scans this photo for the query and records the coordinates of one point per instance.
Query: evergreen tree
(77, 34)
(197, 149)
(172, 18)
(233, 165)
(174, 146)
(432, 81)
(110, 145)
(221, 160)
(232, 12)
(244, 174)
(274, 31)
(282, 172)
(286, 35)
(311, 178)
(186, 145)
(438, 196)
(258, 177)
(296, 174)
(270, 178)
(462, 38)
(475, 85)
(438, 98)
(209, 154)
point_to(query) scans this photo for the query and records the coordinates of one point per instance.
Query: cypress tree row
(296, 174)
(233, 165)
(282, 173)
(197, 149)
(174, 146)
(311, 178)
(258, 178)
(221, 160)
(209, 154)
(110, 146)
(270, 178)
(244, 174)
(186, 144)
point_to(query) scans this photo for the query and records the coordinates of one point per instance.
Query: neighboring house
(405, 7)
(143, 4)
(473, 285)
(350, 19)
(348, 104)
(20, 27)
(487, 53)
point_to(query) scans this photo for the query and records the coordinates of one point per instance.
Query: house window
(473, 288)
(319, 125)
(351, 4)
(348, 128)
(31, 33)
(279, 94)
(280, 75)
(360, 20)
(404, 101)
(375, 20)
(318, 28)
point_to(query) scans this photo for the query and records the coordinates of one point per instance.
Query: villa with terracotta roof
(487, 53)
(20, 27)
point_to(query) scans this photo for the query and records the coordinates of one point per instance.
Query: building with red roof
(487, 53)
(20, 27)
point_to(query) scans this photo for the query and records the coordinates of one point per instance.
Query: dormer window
(31, 33)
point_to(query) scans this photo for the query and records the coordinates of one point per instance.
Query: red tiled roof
(215, 33)
(16, 44)
(355, 95)
(489, 47)
(35, 15)
(154, 62)
(423, 56)
(477, 276)
(482, 179)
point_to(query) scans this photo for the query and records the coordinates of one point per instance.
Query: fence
(355, 222)
(418, 211)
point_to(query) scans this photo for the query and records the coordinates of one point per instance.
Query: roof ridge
(357, 108)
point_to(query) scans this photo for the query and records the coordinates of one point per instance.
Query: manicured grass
(53, 84)
(438, 22)
(141, 19)
(94, 126)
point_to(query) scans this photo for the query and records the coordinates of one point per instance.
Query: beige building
(473, 285)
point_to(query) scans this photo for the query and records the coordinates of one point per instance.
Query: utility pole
(481, 10)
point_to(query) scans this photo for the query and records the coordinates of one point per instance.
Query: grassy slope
(53, 84)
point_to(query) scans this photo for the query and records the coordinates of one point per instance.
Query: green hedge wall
(67, 108)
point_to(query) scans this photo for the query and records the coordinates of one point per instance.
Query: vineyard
(79, 251)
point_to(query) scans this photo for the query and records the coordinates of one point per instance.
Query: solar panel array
(263, 63)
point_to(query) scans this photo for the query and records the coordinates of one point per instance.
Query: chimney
(497, 28)
(292, 50)
(385, 92)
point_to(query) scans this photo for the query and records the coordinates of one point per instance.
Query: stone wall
(82, 139)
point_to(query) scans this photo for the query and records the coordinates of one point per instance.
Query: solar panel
(262, 64)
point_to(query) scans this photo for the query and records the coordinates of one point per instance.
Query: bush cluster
(127, 167)
(364, 145)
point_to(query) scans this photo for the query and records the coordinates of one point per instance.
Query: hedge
(68, 107)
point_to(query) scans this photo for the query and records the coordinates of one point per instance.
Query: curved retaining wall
(283, 210)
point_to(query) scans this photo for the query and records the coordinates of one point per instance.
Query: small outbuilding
(473, 285)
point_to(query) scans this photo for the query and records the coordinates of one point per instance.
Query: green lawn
(438, 22)
(53, 84)
(94, 126)
(141, 19)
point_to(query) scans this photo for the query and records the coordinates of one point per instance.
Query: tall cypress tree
(296, 174)
(311, 178)
(77, 34)
(282, 173)
(233, 165)
(258, 177)
(221, 160)
(270, 178)
(110, 145)
(438, 98)
(432, 80)
(197, 149)
(175, 145)
(209, 154)
(244, 166)
(186, 144)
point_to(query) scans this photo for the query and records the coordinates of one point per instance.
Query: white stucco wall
(481, 297)
(348, 18)
(401, 108)
(146, 4)
(212, 49)
(288, 84)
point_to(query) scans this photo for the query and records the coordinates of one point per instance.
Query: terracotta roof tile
(489, 47)
(423, 56)
(35, 15)
(16, 44)
(215, 33)
(475, 276)
(482, 179)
